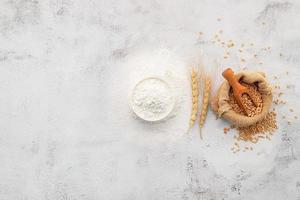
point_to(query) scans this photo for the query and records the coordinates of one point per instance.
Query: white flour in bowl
(152, 99)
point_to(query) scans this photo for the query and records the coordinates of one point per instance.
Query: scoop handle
(228, 74)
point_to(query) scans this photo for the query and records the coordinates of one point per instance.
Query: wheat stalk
(205, 99)
(195, 95)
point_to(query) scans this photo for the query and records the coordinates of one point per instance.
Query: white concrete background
(67, 132)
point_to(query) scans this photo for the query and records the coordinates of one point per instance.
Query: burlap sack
(221, 107)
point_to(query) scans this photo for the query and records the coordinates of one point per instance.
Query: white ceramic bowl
(147, 115)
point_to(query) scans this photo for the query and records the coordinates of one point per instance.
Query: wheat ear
(205, 99)
(195, 95)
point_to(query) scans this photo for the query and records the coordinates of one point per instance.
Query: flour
(152, 99)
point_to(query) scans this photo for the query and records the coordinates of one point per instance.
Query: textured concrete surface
(67, 131)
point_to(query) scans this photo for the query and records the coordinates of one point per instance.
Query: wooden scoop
(238, 89)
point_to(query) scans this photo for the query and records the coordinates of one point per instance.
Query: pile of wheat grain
(263, 128)
(249, 105)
